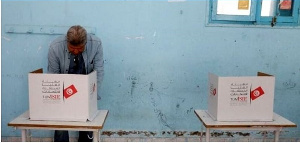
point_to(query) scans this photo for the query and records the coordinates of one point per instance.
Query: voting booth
(62, 97)
(249, 98)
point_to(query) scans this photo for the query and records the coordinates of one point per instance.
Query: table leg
(28, 137)
(201, 133)
(24, 135)
(265, 135)
(207, 135)
(96, 136)
(276, 136)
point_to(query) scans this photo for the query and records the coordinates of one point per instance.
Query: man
(76, 53)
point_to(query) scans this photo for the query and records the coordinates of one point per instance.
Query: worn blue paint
(157, 58)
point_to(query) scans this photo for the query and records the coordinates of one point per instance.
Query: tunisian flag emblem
(69, 91)
(257, 93)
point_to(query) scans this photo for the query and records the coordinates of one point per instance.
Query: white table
(22, 122)
(276, 125)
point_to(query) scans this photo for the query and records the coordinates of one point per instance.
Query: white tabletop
(208, 122)
(23, 121)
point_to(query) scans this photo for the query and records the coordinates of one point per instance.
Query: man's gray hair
(76, 35)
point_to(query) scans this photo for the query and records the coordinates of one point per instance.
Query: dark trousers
(63, 136)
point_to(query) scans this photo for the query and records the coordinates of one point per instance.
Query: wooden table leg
(276, 135)
(207, 135)
(201, 133)
(24, 135)
(265, 135)
(28, 133)
(96, 136)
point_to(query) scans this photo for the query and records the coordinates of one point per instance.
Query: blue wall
(157, 58)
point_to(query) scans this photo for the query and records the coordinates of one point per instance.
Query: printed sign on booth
(241, 98)
(53, 96)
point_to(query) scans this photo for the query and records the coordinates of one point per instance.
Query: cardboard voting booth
(241, 98)
(62, 97)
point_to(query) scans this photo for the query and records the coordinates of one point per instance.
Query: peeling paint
(179, 133)
(289, 84)
(136, 38)
(197, 133)
(181, 11)
(163, 119)
(164, 132)
(229, 134)
(177, 105)
(5, 38)
(124, 133)
(151, 87)
(189, 110)
(176, 133)
(151, 133)
(14, 76)
(141, 37)
(243, 134)
(216, 134)
(133, 84)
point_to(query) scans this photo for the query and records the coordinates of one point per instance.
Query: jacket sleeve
(53, 61)
(99, 66)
